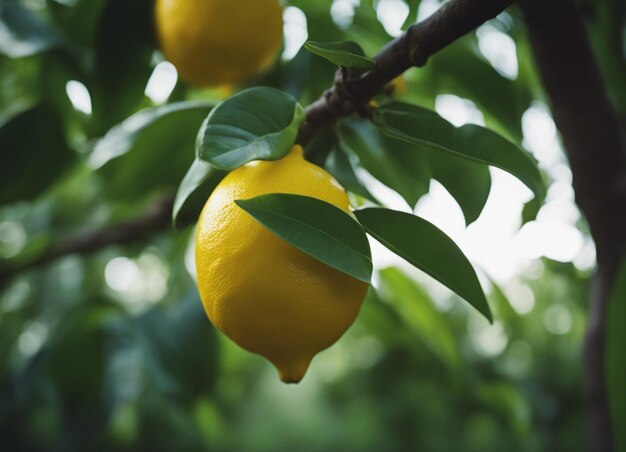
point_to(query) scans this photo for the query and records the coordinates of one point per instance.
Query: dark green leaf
(392, 162)
(418, 310)
(193, 192)
(461, 69)
(530, 210)
(428, 248)
(467, 181)
(22, 33)
(616, 358)
(501, 305)
(411, 18)
(304, 77)
(79, 20)
(318, 148)
(150, 149)
(123, 52)
(33, 152)
(367, 29)
(407, 167)
(339, 165)
(419, 125)
(316, 227)
(255, 124)
(345, 54)
(184, 342)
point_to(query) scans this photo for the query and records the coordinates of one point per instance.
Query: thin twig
(157, 217)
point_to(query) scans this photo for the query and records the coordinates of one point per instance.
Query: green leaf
(151, 149)
(468, 182)
(319, 147)
(392, 162)
(255, 124)
(304, 77)
(345, 54)
(183, 341)
(33, 152)
(316, 227)
(418, 310)
(615, 363)
(407, 167)
(419, 125)
(23, 33)
(422, 244)
(79, 21)
(123, 53)
(411, 18)
(501, 305)
(530, 210)
(342, 168)
(506, 399)
(193, 192)
(461, 69)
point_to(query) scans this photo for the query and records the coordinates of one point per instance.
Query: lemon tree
(174, 243)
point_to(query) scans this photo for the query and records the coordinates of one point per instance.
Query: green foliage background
(88, 366)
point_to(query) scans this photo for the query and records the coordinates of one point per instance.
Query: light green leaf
(422, 126)
(345, 54)
(428, 248)
(255, 124)
(615, 362)
(418, 310)
(316, 227)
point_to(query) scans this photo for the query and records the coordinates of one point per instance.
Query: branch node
(417, 56)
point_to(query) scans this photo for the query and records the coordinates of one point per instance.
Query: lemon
(216, 42)
(399, 85)
(263, 293)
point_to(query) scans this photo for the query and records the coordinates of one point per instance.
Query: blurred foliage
(113, 351)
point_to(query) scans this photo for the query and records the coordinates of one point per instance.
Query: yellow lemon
(266, 295)
(214, 42)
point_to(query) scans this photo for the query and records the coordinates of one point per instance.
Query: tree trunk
(593, 140)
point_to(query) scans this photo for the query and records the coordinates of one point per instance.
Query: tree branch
(349, 95)
(157, 217)
(597, 155)
(352, 90)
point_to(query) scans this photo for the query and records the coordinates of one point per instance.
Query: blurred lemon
(266, 295)
(399, 85)
(215, 42)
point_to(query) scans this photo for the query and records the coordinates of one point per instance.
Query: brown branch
(352, 90)
(157, 217)
(349, 95)
(594, 143)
